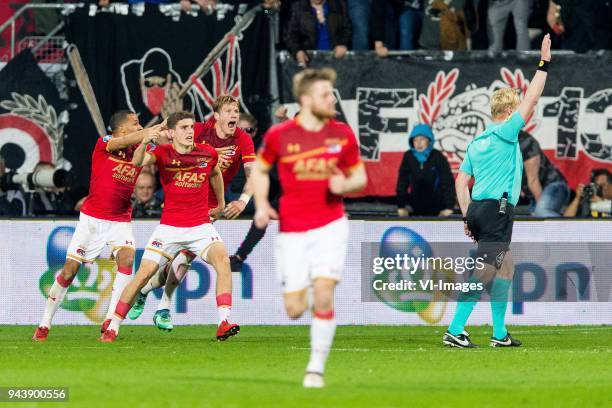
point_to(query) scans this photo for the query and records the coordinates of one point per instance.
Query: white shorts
(302, 257)
(166, 241)
(93, 234)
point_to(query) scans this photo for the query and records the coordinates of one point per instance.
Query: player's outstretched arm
(118, 143)
(141, 156)
(356, 181)
(216, 183)
(534, 91)
(260, 181)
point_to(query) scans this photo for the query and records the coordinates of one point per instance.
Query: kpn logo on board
(91, 290)
(430, 305)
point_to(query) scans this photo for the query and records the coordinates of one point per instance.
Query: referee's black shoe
(507, 341)
(460, 341)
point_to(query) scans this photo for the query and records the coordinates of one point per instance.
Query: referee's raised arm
(534, 91)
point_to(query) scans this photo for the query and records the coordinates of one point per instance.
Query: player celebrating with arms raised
(235, 148)
(495, 161)
(318, 161)
(186, 169)
(105, 215)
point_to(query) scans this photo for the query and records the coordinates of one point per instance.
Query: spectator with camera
(45, 199)
(594, 199)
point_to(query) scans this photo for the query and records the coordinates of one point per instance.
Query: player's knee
(125, 257)
(295, 310)
(218, 257)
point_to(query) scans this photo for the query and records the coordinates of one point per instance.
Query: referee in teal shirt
(495, 162)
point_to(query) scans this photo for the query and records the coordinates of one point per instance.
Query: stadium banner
(32, 116)
(139, 60)
(33, 252)
(382, 99)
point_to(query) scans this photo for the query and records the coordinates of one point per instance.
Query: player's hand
(234, 209)
(340, 51)
(579, 190)
(216, 213)
(468, 232)
(337, 182)
(263, 215)
(302, 58)
(545, 54)
(445, 213)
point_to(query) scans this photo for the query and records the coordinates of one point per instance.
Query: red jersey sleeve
(247, 149)
(351, 157)
(214, 156)
(269, 152)
(102, 143)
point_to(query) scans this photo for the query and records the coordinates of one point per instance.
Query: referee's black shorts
(492, 231)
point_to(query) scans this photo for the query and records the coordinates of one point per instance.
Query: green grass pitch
(369, 366)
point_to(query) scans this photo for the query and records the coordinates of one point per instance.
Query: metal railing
(10, 23)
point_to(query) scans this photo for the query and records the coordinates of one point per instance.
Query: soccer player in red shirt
(318, 161)
(105, 215)
(235, 148)
(186, 169)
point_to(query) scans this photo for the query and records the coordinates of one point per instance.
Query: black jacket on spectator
(379, 14)
(428, 189)
(301, 31)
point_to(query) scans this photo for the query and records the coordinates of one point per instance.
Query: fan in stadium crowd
(105, 215)
(497, 17)
(408, 16)
(495, 162)
(144, 203)
(582, 25)
(542, 183)
(235, 149)
(318, 162)
(188, 170)
(318, 25)
(425, 180)
(445, 24)
(594, 199)
(360, 12)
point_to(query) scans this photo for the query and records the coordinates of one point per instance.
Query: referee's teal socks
(499, 303)
(465, 305)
